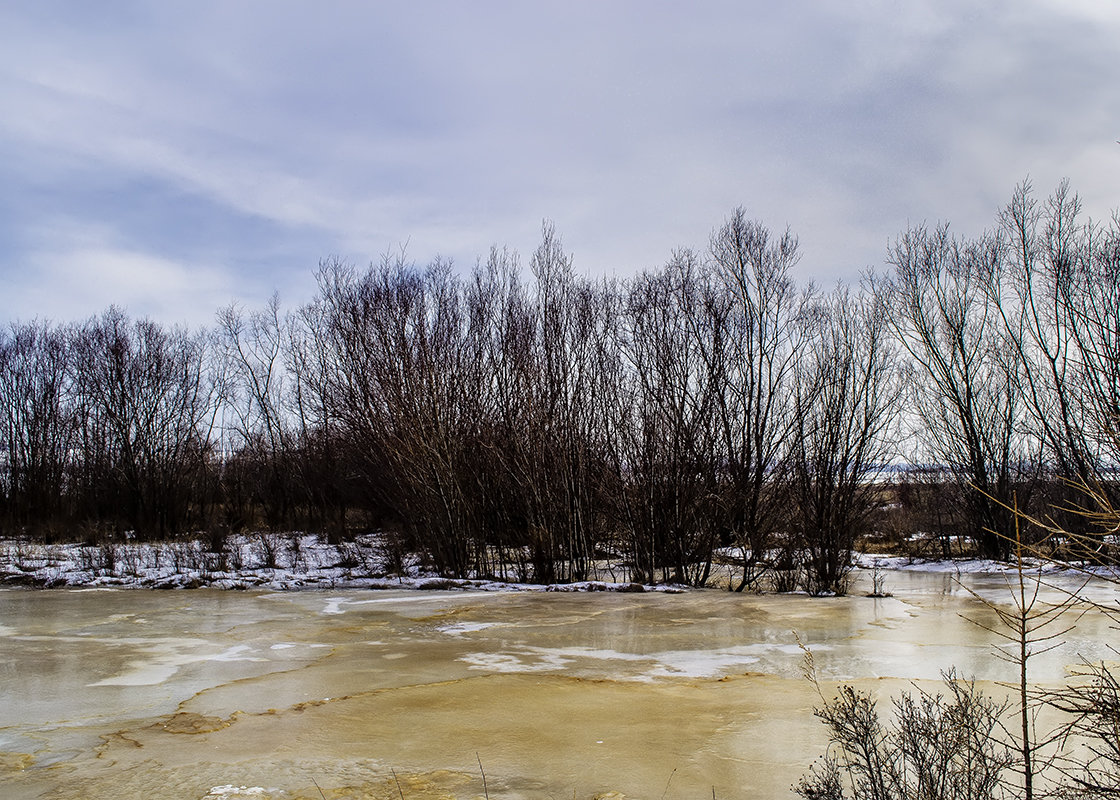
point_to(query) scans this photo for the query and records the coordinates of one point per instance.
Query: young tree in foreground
(1090, 766)
(1030, 627)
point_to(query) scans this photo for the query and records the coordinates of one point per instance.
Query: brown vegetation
(705, 416)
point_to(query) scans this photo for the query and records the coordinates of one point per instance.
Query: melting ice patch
(334, 605)
(646, 666)
(230, 790)
(459, 628)
(510, 662)
(701, 664)
(165, 665)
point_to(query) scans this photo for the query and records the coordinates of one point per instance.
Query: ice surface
(230, 790)
(459, 628)
(166, 660)
(557, 694)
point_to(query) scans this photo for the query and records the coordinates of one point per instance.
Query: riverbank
(257, 561)
(286, 561)
(302, 561)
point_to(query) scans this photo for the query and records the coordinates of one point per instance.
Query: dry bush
(945, 746)
(267, 548)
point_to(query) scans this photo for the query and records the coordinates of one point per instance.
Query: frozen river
(194, 694)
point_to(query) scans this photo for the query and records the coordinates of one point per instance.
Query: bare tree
(753, 349)
(394, 340)
(253, 351)
(559, 463)
(36, 421)
(147, 407)
(847, 398)
(966, 382)
(672, 507)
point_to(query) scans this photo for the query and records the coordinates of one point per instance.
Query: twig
(397, 781)
(485, 791)
(671, 774)
(317, 786)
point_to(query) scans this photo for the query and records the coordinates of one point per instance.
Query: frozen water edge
(968, 566)
(300, 562)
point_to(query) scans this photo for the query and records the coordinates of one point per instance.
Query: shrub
(945, 746)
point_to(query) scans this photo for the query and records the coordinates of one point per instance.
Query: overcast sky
(171, 157)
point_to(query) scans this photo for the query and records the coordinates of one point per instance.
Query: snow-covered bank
(963, 566)
(300, 561)
(266, 561)
(982, 566)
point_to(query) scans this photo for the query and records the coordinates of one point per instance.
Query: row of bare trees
(109, 420)
(1012, 343)
(706, 416)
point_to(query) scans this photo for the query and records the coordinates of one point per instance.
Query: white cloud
(79, 272)
(635, 126)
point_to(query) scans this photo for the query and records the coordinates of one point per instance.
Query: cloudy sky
(171, 157)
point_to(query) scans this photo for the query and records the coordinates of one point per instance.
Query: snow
(970, 566)
(302, 561)
(298, 561)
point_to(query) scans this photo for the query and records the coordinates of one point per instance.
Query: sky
(173, 157)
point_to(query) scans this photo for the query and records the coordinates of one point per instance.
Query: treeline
(709, 414)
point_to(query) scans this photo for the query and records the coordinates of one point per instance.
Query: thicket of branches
(709, 414)
(963, 744)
